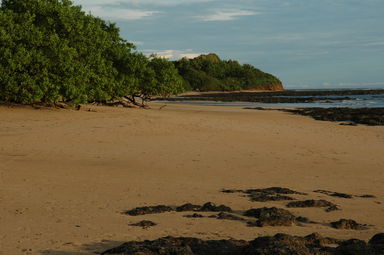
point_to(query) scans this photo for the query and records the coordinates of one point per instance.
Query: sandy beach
(66, 176)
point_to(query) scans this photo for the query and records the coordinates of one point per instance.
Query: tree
(51, 51)
(156, 77)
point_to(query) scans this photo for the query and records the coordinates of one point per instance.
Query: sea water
(355, 101)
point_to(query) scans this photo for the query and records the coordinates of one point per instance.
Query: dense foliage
(51, 51)
(209, 72)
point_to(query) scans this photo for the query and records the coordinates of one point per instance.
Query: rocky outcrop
(367, 116)
(149, 210)
(207, 207)
(270, 217)
(348, 224)
(267, 194)
(314, 203)
(279, 244)
(144, 224)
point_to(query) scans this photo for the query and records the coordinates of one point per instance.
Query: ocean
(353, 101)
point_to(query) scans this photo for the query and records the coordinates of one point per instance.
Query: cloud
(174, 54)
(226, 15)
(112, 13)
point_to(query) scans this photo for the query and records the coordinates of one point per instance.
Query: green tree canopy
(51, 51)
(209, 72)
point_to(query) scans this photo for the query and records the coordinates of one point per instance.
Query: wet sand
(66, 176)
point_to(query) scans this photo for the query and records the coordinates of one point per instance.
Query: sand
(66, 176)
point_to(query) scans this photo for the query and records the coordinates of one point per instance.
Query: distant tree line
(209, 72)
(51, 51)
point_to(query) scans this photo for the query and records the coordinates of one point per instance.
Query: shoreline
(325, 97)
(68, 175)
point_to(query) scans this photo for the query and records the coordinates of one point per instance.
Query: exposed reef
(267, 194)
(314, 203)
(348, 224)
(286, 96)
(144, 224)
(271, 217)
(342, 195)
(207, 207)
(149, 210)
(279, 244)
(367, 116)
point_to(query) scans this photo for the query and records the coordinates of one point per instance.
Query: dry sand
(66, 176)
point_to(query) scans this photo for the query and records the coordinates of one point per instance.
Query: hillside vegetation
(210, 73)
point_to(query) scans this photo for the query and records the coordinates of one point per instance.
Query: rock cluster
(367, 116)
(207, 207)
(267, 194)
(286, 96)
(348, 224)
(314, 203)
(279, 244)
(271, 217)
(144, 224)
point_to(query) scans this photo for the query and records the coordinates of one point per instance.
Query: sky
(305, 43)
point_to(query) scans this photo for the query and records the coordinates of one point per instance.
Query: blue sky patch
(306, 43)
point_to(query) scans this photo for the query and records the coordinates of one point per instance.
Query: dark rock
(367, 116)
(274, 190)
(282, 244)
(342, 195)
(310, 203)
(149, 210)
(262, 197)
(195, 215)
(231, 190)
(228, 216)
(265, 211)
(377, 239)
(303, 219)
(188, 207)
(207, 207)
(367, 196)
(279, 244)
(334, 194)
(180, 246)
(332, 208)
(144, 224)
(211, 207)
(317, 239)
(377, 244)
(267, 194)
(348, 124)
(347, 224)
(353, 247)
(313, 203)
(271, 217)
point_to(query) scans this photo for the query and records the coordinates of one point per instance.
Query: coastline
(67, 175)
